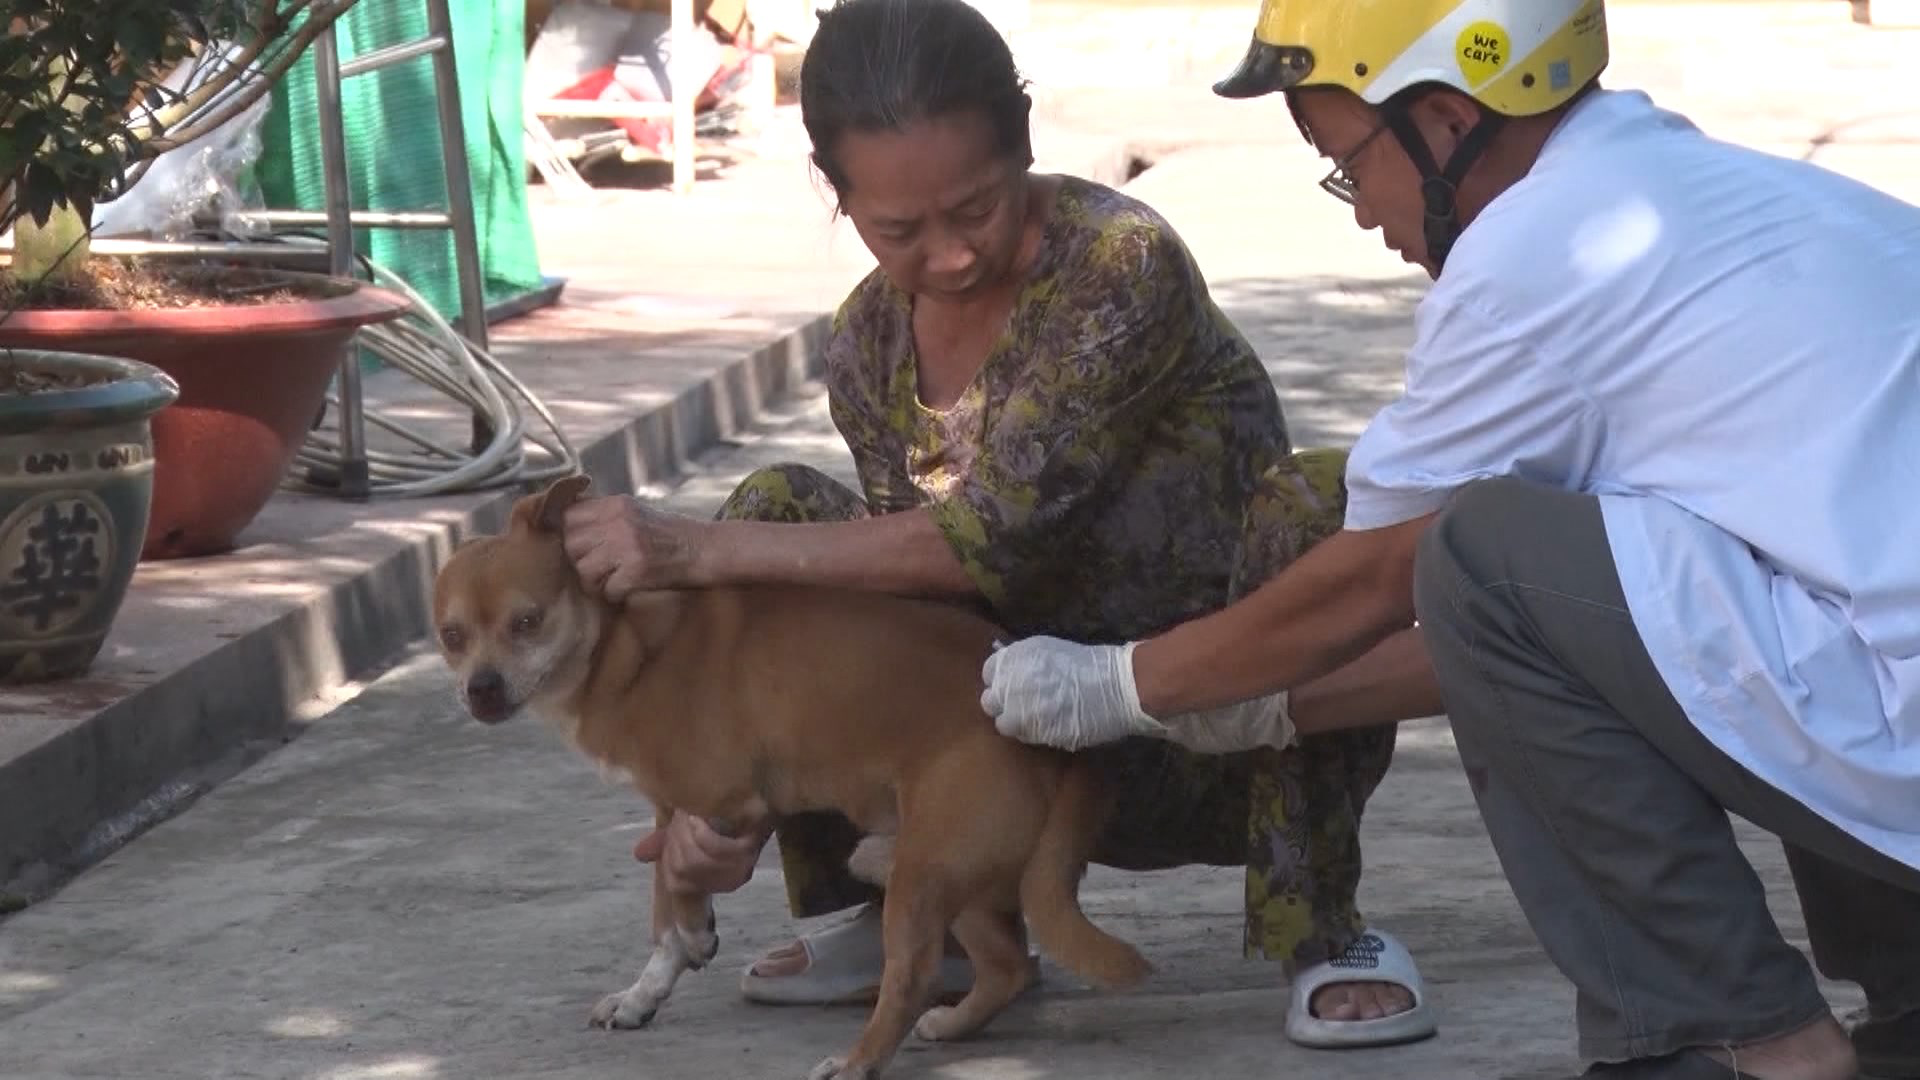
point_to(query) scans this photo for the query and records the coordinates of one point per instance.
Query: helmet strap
(1439, 188)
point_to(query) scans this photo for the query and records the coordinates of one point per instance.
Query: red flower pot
(252, 379)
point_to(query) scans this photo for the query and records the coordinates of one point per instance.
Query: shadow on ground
(1336, 346)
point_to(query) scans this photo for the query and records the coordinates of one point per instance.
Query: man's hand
(621, 546)
(696, 857)
(1056, 693)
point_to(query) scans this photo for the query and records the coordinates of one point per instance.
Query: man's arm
(1392, 683)
(1480, 401)
(1335, 603)
(1224, 681)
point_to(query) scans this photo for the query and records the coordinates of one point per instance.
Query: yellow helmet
(1515, 57)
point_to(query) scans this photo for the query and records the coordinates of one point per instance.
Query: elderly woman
(1052, 420)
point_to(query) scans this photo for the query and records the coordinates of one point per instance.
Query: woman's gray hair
(880, 65)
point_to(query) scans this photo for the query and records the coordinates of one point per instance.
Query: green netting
(393, 144)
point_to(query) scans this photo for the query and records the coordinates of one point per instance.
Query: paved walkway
(399, 893)
(403, 893)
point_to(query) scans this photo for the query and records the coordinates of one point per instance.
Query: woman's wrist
(706, 552)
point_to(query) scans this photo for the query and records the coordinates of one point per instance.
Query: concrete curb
(86, 789)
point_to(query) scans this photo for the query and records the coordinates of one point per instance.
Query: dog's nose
(487, 695)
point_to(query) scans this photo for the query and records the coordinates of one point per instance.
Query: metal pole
(360, 219)
(355, 481)
(685, 91)
(389, 56)
(466, 240)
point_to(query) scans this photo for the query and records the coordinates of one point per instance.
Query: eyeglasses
(1337, 183)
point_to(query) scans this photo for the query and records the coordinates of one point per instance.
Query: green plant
(84, 106)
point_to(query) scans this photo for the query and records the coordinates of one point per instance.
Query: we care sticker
(1482, 49)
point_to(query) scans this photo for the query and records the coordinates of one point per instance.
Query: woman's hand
(696, 857)
(620, 546)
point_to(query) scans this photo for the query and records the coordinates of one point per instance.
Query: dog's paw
(625, 1010)
(937, 1024)
(837, 1069)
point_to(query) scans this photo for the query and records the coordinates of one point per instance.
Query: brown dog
(738, 703)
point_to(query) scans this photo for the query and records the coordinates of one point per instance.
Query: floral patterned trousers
(1291, 817)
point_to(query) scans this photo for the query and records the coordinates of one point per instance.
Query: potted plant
(86, 105)
(76, 478)
(90, 455)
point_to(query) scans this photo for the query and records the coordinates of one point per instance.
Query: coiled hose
(424, 346)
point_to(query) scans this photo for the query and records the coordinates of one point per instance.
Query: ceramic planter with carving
(76, 482)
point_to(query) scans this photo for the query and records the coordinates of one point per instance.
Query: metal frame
(341, 219)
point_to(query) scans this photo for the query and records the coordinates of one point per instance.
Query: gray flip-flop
(1889, 1047)
(1685, 1065)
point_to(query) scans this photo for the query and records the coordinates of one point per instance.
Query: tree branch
(256, 84)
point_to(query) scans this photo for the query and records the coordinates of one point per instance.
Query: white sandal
(844, 963)
(1373, 957)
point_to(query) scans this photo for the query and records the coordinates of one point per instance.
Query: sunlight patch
(19, 985)
(1607, 243)
(1358, 299)
(310, 1025)
(994, 1068)
(403, 1068)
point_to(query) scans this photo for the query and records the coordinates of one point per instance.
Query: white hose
(426, 347)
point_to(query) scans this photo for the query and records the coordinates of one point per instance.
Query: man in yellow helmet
(1506, 61)
(1652, 493)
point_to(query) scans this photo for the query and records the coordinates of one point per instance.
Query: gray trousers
(1608, 809)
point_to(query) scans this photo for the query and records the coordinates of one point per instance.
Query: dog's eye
(526, 623)
(452, 639)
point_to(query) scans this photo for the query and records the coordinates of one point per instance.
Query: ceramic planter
(252, 379)
(76, 480)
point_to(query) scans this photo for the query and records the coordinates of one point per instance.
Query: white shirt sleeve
(1480, 402)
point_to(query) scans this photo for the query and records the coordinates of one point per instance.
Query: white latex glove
(1261, 721)
(1057, 693)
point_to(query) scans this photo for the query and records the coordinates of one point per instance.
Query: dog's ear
(543, 512)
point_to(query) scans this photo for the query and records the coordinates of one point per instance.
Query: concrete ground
(401, 893)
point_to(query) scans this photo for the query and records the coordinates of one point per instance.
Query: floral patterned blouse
(1094, 476)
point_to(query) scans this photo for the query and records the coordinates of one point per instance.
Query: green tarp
(393, 144)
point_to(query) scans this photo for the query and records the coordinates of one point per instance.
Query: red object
(252, 378)
(603, 84)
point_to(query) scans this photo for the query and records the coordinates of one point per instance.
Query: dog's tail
(1050, 886)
